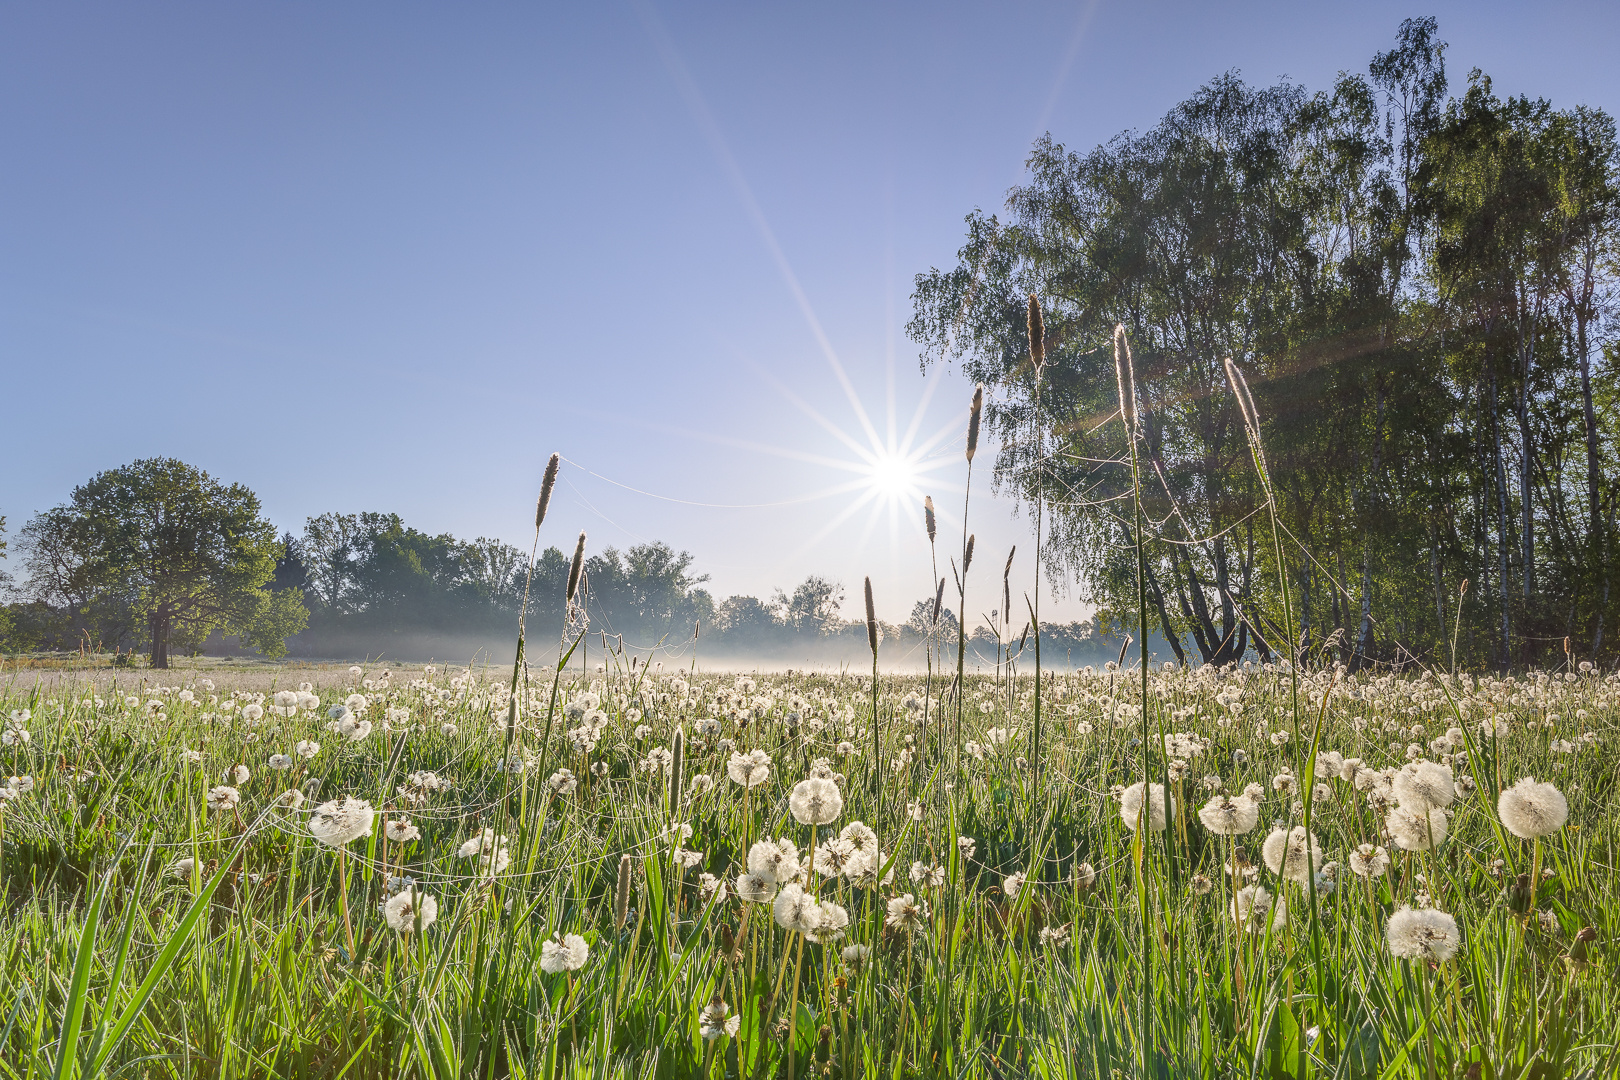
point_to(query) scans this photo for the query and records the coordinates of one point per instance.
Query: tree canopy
(164, 546)
(1419, 288)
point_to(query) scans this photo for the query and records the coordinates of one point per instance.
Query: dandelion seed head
(341, 821)
(1530, 810)
(1423, 934)
(1291, 853)
(1225, 815)
(405, 910)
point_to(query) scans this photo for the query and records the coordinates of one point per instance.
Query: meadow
(675, 872)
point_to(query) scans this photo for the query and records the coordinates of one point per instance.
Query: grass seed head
(1037, 335)
(871, 619)
(621, 895)
(577, 567)
(547, 482)
(973, 421)
(1125, 375)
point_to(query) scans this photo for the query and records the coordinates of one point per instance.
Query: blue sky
(390, 256)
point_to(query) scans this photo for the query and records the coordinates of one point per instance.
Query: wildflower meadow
(374, 872)
(621, 868)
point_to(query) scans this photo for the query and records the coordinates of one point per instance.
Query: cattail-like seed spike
(621, 897)
(1245, 400)
(1037, 335)
(871, 619)
(1125, 374)
(677, 762)
(939, 601)
(1251, 416)
(1007, 570)
(547, 482)
(967, 556)
(973, 421)
(577, 567)
(1126, 644)
(928, 516)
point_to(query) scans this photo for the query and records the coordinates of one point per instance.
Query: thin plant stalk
(1127, 409)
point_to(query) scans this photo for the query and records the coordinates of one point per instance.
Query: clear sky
(369, 256)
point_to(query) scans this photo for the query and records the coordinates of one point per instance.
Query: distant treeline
(371, 585)
(374, 585)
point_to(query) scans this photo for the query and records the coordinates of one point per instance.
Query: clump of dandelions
(1424, 785)
(1415, 830)
(341, 821)
(337, 824)
(1369, 861)
(797, 910)
(1131, 806)
(407, 910)
(1423, 934)
(490, 851)
(816, 802)
(906, 912)
(716, 1020)
(1292, 853)
(1251, 905)
(1225, 815)
(749, 769)
(564, 952)
(1530, 810)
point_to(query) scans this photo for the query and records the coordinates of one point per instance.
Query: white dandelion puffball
(749, 769)
(341, 821)
(306, 748)
(796, 909)
(281, 762)
(1424, 785)
(401, 831)
(1530, 810)
(237, 775)
(906, 912)
(1369, 861)
(1416, 831)
(1250, 905)
(490, 851)
(777, 863)
(831, 922)
(713, 1021)
(1131, 808)
(760, 890)
(223, 798)
(1423, 934)
(1290, 854)
(816, 802)
(564, 952)
(405, 910)
(1227, 816)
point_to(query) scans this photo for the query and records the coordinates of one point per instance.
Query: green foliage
(1413, 285)
(161, 550)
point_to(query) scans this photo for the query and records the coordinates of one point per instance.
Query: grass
(120, 959)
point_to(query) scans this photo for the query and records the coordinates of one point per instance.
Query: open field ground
(661, 874)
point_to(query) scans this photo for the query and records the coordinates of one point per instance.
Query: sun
(892, 476)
